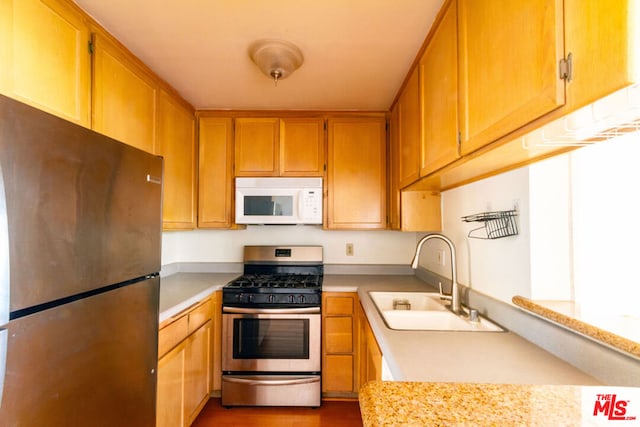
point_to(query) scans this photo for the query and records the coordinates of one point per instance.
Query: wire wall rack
(496, 224)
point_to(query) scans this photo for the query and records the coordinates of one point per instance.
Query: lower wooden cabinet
(185, 350)
(339, 355)
(370, 353)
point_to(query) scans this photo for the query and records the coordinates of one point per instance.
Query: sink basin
(424, 311)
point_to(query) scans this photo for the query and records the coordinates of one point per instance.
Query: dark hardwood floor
(331, 413)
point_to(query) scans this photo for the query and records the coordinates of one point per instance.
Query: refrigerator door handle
(4, 256)
(4, 334)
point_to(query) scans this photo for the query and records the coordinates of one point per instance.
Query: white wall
(370, 247)
(500, 267)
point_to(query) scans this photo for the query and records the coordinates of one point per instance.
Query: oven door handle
(263, 381)
(239, 310)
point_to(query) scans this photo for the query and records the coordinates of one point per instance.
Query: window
(588, 201)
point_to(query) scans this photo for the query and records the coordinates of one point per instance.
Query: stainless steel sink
(424, 311)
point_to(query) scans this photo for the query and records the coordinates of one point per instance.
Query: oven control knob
(291, 299)
(271, 298)
(301, 299)
(250, 297)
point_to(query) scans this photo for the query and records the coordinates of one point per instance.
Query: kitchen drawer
(338, 334)
(335, 305)
(171, 334)
(199, 315)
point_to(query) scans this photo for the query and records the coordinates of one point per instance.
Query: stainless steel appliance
(271, 348)
(80, 239)
(281, 200)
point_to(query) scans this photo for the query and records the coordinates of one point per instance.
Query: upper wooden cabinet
(509, 53)
(44, 52)
(215, 172)
(409, 127)
(124, 96)
(176, 144)
(256, 146)
(356, 173)
(302, 146)
(439, 94)
(605, 53)
(279, 147)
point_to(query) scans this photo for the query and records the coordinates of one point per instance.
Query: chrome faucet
(455, 294)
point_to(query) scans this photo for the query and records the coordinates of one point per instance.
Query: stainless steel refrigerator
(80, 242)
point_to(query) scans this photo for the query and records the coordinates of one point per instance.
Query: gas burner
(277, 277)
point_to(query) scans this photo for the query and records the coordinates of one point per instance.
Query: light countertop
(448, 404)
(441, 356)
(181, 290)
(437, 356)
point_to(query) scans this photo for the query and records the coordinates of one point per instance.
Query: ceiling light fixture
(276, 58)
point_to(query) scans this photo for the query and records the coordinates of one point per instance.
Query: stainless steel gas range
(271, 347)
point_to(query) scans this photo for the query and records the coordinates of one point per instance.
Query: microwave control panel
(311, 203)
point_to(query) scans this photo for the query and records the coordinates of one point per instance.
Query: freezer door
(83, 210)
(91, 362)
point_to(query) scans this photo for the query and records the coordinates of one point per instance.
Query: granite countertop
(385, 403)
(562, 313)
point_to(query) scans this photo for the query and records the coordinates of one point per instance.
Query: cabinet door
(302, 147)
(508, 55)
(600, 37)
(370, 354)
(124, 96)
(215, 172)
(170, 393)
(256, 147)
(356, 190)
(393, 203)
(409, 131)
(176, 144)
(197, 371)
(439, 94)
(44, 51)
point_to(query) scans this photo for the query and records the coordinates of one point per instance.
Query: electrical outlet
(349, 249)
(440, 257)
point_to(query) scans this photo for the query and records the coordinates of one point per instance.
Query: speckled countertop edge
(600, 335)
(387, 403)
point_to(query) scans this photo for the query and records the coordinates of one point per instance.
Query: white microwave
(278, 200)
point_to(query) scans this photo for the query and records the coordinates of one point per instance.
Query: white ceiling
(357, 52)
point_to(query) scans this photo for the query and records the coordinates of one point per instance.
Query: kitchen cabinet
(176, 144)
(302, 147)
(279, 146)
(409, 131)
(256, 146)
(600, 40)
(393, 200)
(439, 94)
(215, 172)
(409, 210)
(356, 173)
(604, 51)
(339, 355)
(44, 51)
(185, 350)
(370, 353)
(508, 66)
(124, 96)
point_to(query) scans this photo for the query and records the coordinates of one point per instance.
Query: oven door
(257, 340)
